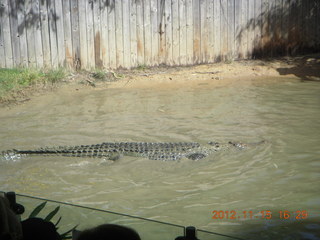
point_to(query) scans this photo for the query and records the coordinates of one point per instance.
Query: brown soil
(304, 68)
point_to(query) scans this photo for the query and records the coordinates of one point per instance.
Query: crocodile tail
(10, 154)
(74, 151)
(11, 151)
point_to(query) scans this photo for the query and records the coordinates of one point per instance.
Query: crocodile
(166, 151)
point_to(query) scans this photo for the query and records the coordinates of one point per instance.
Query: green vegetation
(54, 76)
(99, 74)
(108, 76)
(49, 217)
(17, 79)
(141, 67)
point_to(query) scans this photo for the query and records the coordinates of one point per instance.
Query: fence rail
(86, 34)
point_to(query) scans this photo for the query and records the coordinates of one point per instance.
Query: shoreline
(302, 68)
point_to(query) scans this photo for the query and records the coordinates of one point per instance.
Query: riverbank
(18, 86)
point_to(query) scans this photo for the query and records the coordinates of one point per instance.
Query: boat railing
(84, 217)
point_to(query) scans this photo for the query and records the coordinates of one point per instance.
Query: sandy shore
(304, 68)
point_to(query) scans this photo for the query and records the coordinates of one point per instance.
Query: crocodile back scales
(154, 151)
(167, 151)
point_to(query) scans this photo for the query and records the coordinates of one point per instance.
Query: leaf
(37, 210)
(52, 214)
(58, 222)
(65, 235)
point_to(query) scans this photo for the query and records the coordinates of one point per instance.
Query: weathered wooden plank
(154, 33)
(104, 34)
(44, 35)
(203, 32)
(237, 28)
(140, 34)
(305, 35)
(36, 24)
(2, 55)
(317, 10)
(97, 35)
(126, 34)
(265, 40)
(285, 22)
(7, 35)
(291, 26)
(119, 35)
(250, 27)
(168, 32)
(162, 33)
(275, 32)
(224, 29)
(14, 32)
(175, 32)
(133, 34)
(297, 27)
(60, 33)
(305, 24)
(257, 29)
(52, 34)
(75, 35)
(83, 63)
(2, 50)
(217, 30)
(90, 34)
(147, 32)
(276, 29)
(67, 33)
(280, 45)
(196, 32)
(231, 29)
(31, 41)
(314, 18)
(189, 32)
(183, 32)
(242, 34)
(112, 35)
(210, 26)
(312, 24)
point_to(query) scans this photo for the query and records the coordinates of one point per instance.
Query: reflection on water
(280, 175)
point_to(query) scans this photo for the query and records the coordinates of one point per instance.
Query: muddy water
(281, 175)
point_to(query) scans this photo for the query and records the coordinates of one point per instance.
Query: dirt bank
(304, 68)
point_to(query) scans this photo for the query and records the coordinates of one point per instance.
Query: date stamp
(264, 214)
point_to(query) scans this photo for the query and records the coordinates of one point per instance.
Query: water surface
(280, 175)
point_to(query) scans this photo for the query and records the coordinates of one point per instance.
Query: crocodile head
(237, 145)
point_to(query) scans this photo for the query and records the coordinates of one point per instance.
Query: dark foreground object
(109, 231)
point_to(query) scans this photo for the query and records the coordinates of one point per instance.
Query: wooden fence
(86, 34)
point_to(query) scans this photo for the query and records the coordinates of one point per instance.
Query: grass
(54, 76)
(141, 67)
(109, 76)
(14, 80)
(99, 74)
